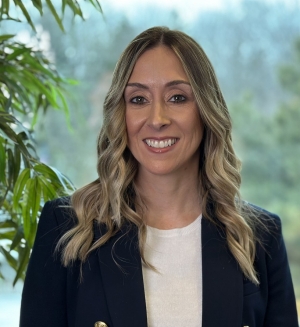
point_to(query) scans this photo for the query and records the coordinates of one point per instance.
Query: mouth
(160, 144)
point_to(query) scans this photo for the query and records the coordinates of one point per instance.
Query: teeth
(160, 144)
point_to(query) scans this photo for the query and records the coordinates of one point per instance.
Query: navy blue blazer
(56, 296)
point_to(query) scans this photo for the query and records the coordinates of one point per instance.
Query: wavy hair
(111, 199)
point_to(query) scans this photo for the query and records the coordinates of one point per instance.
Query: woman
(126, 249)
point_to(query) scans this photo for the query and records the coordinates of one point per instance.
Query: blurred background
(254, 46)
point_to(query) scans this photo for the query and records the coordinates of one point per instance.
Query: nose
(159, 115)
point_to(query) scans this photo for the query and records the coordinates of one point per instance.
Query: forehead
(158, 64)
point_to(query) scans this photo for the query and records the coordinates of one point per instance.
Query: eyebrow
(172, 83)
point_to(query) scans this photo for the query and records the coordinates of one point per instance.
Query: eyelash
(182, 98)
(134, 100)
(141, 100)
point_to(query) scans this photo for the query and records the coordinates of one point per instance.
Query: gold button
(100, 324)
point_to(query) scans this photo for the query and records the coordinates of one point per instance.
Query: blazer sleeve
(281, 308)
(44, 293)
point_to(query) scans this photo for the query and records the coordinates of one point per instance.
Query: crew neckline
(175, 231)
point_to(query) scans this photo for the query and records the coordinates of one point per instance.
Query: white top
(174, 293)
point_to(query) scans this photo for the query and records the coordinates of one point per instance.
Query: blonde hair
(111, 199)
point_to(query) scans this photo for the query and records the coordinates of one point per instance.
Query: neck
(168, 202)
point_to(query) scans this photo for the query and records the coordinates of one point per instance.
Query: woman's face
(162, 119)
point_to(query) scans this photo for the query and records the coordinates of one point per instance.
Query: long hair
(111, 199)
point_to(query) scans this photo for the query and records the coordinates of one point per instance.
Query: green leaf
(14, 89)
(72, 81)
(64, 181)
(15, 138)
(31, 236)
(6, 37)
(63, 6)
(3, 8)
(27, 205)
(30, 208)
(49, 192)
(2, 162)
(30, 146)
(75, 8)
(25, 13)
(9, 132)
(65, 107)
(26, 161)
(9, 258)
(17, 238)
(23, 260)
(17, 164)
(47, 172)
(8, 118)
(97, 5)
(6, 4)
(16, 53)
(34, 82)
(8, 224)
(36, 198)
(19, 187)
(11, 18)
(11, 167)
(54, 13)
(8, 235)
(38, 5)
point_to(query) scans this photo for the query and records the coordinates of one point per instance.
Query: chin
(159, 170)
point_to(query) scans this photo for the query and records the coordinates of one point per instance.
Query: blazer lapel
(222, 280)
(121, 272)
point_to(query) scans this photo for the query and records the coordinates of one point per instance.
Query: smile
(160, 144)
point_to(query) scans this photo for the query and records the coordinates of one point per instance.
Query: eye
(177, 98)
(138, 100)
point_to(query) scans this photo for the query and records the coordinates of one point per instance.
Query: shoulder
(58, 203)
(269, 238)
(264, 221)
(272, 267)
(267, 227)
(58, 213)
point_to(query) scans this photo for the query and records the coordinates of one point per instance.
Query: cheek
(194, 123)
(197, 128)
(134, 123)
(133, 128)
(130, 124)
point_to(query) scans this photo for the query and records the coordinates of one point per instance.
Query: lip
(160, 138)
